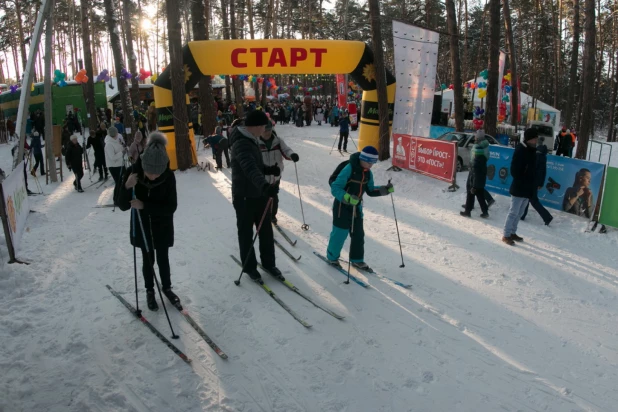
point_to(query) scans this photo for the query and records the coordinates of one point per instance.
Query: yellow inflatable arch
(211, 57)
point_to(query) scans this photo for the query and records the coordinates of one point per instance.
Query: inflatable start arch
(211, 57)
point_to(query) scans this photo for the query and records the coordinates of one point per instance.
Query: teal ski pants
(342, 225)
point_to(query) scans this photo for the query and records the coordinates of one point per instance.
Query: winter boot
(465, 214)
(516, 238)
(151, 301)
(485, 215)
(172, 297)
(33, 172)
(508, 241)
(255, 275)
(335, 263)
(360, 265)
(276, 273)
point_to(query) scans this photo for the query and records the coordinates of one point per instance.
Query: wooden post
(7, 229)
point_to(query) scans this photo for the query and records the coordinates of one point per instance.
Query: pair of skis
(167, 342)
(289, 240)
(294, 289)
(368, 271)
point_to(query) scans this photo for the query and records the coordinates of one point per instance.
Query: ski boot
(335, 263)
(255, 276)
(516, 238)
(151, 301)
(361, 266)
(276, 273)
(172, 298)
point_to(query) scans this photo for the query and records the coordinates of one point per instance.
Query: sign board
(434, 158)
(609, 207)
(571, 185)
(15, 198)
(342, 89)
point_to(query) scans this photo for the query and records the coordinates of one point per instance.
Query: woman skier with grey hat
(150, 188)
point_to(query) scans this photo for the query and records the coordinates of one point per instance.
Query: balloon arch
(236, 57)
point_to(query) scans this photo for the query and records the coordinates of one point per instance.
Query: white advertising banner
(416, 55)
(16, 202)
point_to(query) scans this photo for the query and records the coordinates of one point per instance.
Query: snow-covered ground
(486, 327)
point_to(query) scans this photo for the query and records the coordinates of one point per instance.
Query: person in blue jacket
(350, 181)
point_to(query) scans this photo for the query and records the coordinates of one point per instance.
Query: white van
(545, 130)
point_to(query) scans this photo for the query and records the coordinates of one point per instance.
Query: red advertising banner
(342, 91)
(434, 158)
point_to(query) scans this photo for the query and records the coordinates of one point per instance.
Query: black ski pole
(151, 263)
(138, 312)
(403, 265)
(268, 206)
(305, 226)
(333, 148)
(347, 282)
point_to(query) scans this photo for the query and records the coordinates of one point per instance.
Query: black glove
(473, 190)
(294, 157)
(272, 170)
(270, 190)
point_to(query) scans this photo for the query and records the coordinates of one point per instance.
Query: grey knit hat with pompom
(154, 158)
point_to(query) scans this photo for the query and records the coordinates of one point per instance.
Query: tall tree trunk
(380, 72)
(267, 31)
(226, 36)
(455, 64)
(20, 39)
(493, 82)
(612, 107)
(179, 97)
(513, 60)
(200, 12)
(568, 118)
(237, 83)
(112, 28)
(89, 86)
(47, 89)
(587, 119)
(250, 14)
(132, 57)
(466, 62)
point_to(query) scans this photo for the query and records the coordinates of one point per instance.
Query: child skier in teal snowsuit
(348, 184)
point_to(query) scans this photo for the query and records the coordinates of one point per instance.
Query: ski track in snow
(485, 326)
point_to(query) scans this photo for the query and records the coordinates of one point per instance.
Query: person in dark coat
(344, 132)
(541, 173)
(250, 195)
(96, 142)
(565, 143)
(299, 117)
(523, 187)
(37, 152)
(74, 159)
(149, 187)
(220, 146)
(477, 177)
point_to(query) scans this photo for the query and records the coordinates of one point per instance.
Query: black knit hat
(530, 134)
(256, 118)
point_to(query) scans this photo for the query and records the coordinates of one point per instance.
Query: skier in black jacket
(523, 170)
(155, 200)
(96, 142)
(251, 193)
(74, 159)
(541, 173)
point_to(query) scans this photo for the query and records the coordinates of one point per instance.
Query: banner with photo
(416, 56)
(571, 185)
(15, 198)
(430, 157)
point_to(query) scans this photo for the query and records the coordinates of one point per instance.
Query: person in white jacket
(114, 157)
(274, 150)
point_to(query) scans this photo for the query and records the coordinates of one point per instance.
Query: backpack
(338, 170)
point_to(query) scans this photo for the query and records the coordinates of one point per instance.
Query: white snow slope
(486, 327)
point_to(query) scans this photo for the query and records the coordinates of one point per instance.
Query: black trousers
(163, 262)
(343, 136)
(536, 204)
(38, 157)
(79, 173)
(275, 201)
(223, 150)
(480, 196)
(249, 212)
(99, 163)
(116, 173)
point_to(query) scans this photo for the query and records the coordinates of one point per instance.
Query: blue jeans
(518, 207)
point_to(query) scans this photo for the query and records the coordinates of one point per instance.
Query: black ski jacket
(247, 165)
